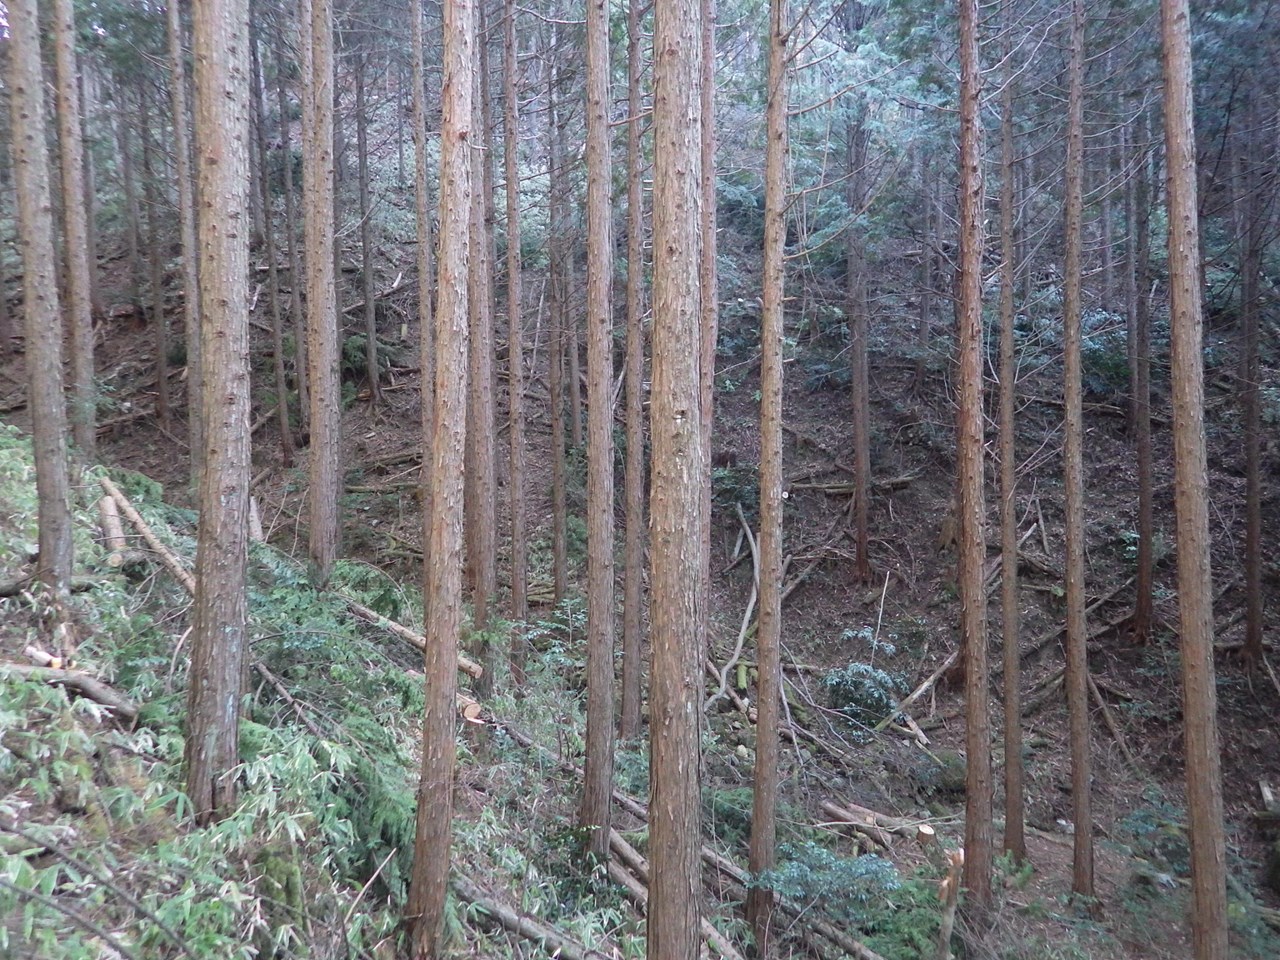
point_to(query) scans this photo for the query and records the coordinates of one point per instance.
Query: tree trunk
(366, 238)
(1077, 675)
(273, 273)
(764, 800)
(972, 545)
(481, 495)
(1191, 484)
(221, 33)
(676, 502)
(40, 302)
(556, 338)
(856, 312)
(79, 317)
(422, 210)
(1144, 588)
(132, 228)
(296, 276)
(325, 472)
(707, 279)
(155, 263)
(187, 228)
(515, 344)
(443, 577)
(633, 494)
(597, 789)
(87, 113)
(1014, 835)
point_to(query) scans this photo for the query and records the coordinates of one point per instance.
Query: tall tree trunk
(597, 788)
(764, 800)
(296, 276)
(155, 263)
(1077, 676)
(273, 272)
(515, 344)
(1144, 588)
(677, 499)
(325, 472)
(1014, 834)
(366, 236)
(221, 33)
(79, 317)
(1251, 250)
(633, 494)
(1191, 485)
(187, 228)
(856, 310)
(556, 338)
(422, 210)
(481, 487)
(443, 577)
(88, 109)
(570, 333)
(972, 544)
(707, 279)
(1129, 154)
(40, 303)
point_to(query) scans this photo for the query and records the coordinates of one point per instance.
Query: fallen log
(167, 556)
(411, 637)
(81, 683)
(552, 941)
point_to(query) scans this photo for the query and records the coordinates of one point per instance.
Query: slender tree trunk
(1251, 245)
(927, 241)
(570, 333)
(296, 276)
(155, 263)
(40, 303)
(1014, 834)
(79, 316)
(481, 496)
(322, 320)
(273, 273)
(1073, 463)
(187, 228)
(87, 112)
(1144, 588)
(764, 800)
(633, 494)
(366, 237)
(1191, 484)
(677, 498)
(556, 339)
(132, 228)
(597, 789)
(1128, 152)
(221, 33)
(443, 579)
(515, 343)
(856, 310)
(972, 545)
(422, 209)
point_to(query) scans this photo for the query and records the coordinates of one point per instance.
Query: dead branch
(81, 683)
(414, 639)
(1109, 718)
(552, 941)
(167, 556)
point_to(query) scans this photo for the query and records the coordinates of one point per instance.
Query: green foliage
(863, 694)
(849, 889)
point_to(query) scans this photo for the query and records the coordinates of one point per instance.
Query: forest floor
(902, 622)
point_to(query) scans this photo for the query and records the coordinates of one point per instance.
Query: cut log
(167, 556)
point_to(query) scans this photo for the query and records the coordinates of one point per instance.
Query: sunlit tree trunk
(678, 486)
(972, 546)
(443, 527)
(40, 301)
(597, 791)
(78, 315)
(1191, 488)
(221, 33)
(764, 801)
(423, 260)
(708, 279)
(633, 494)
(325, 473)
